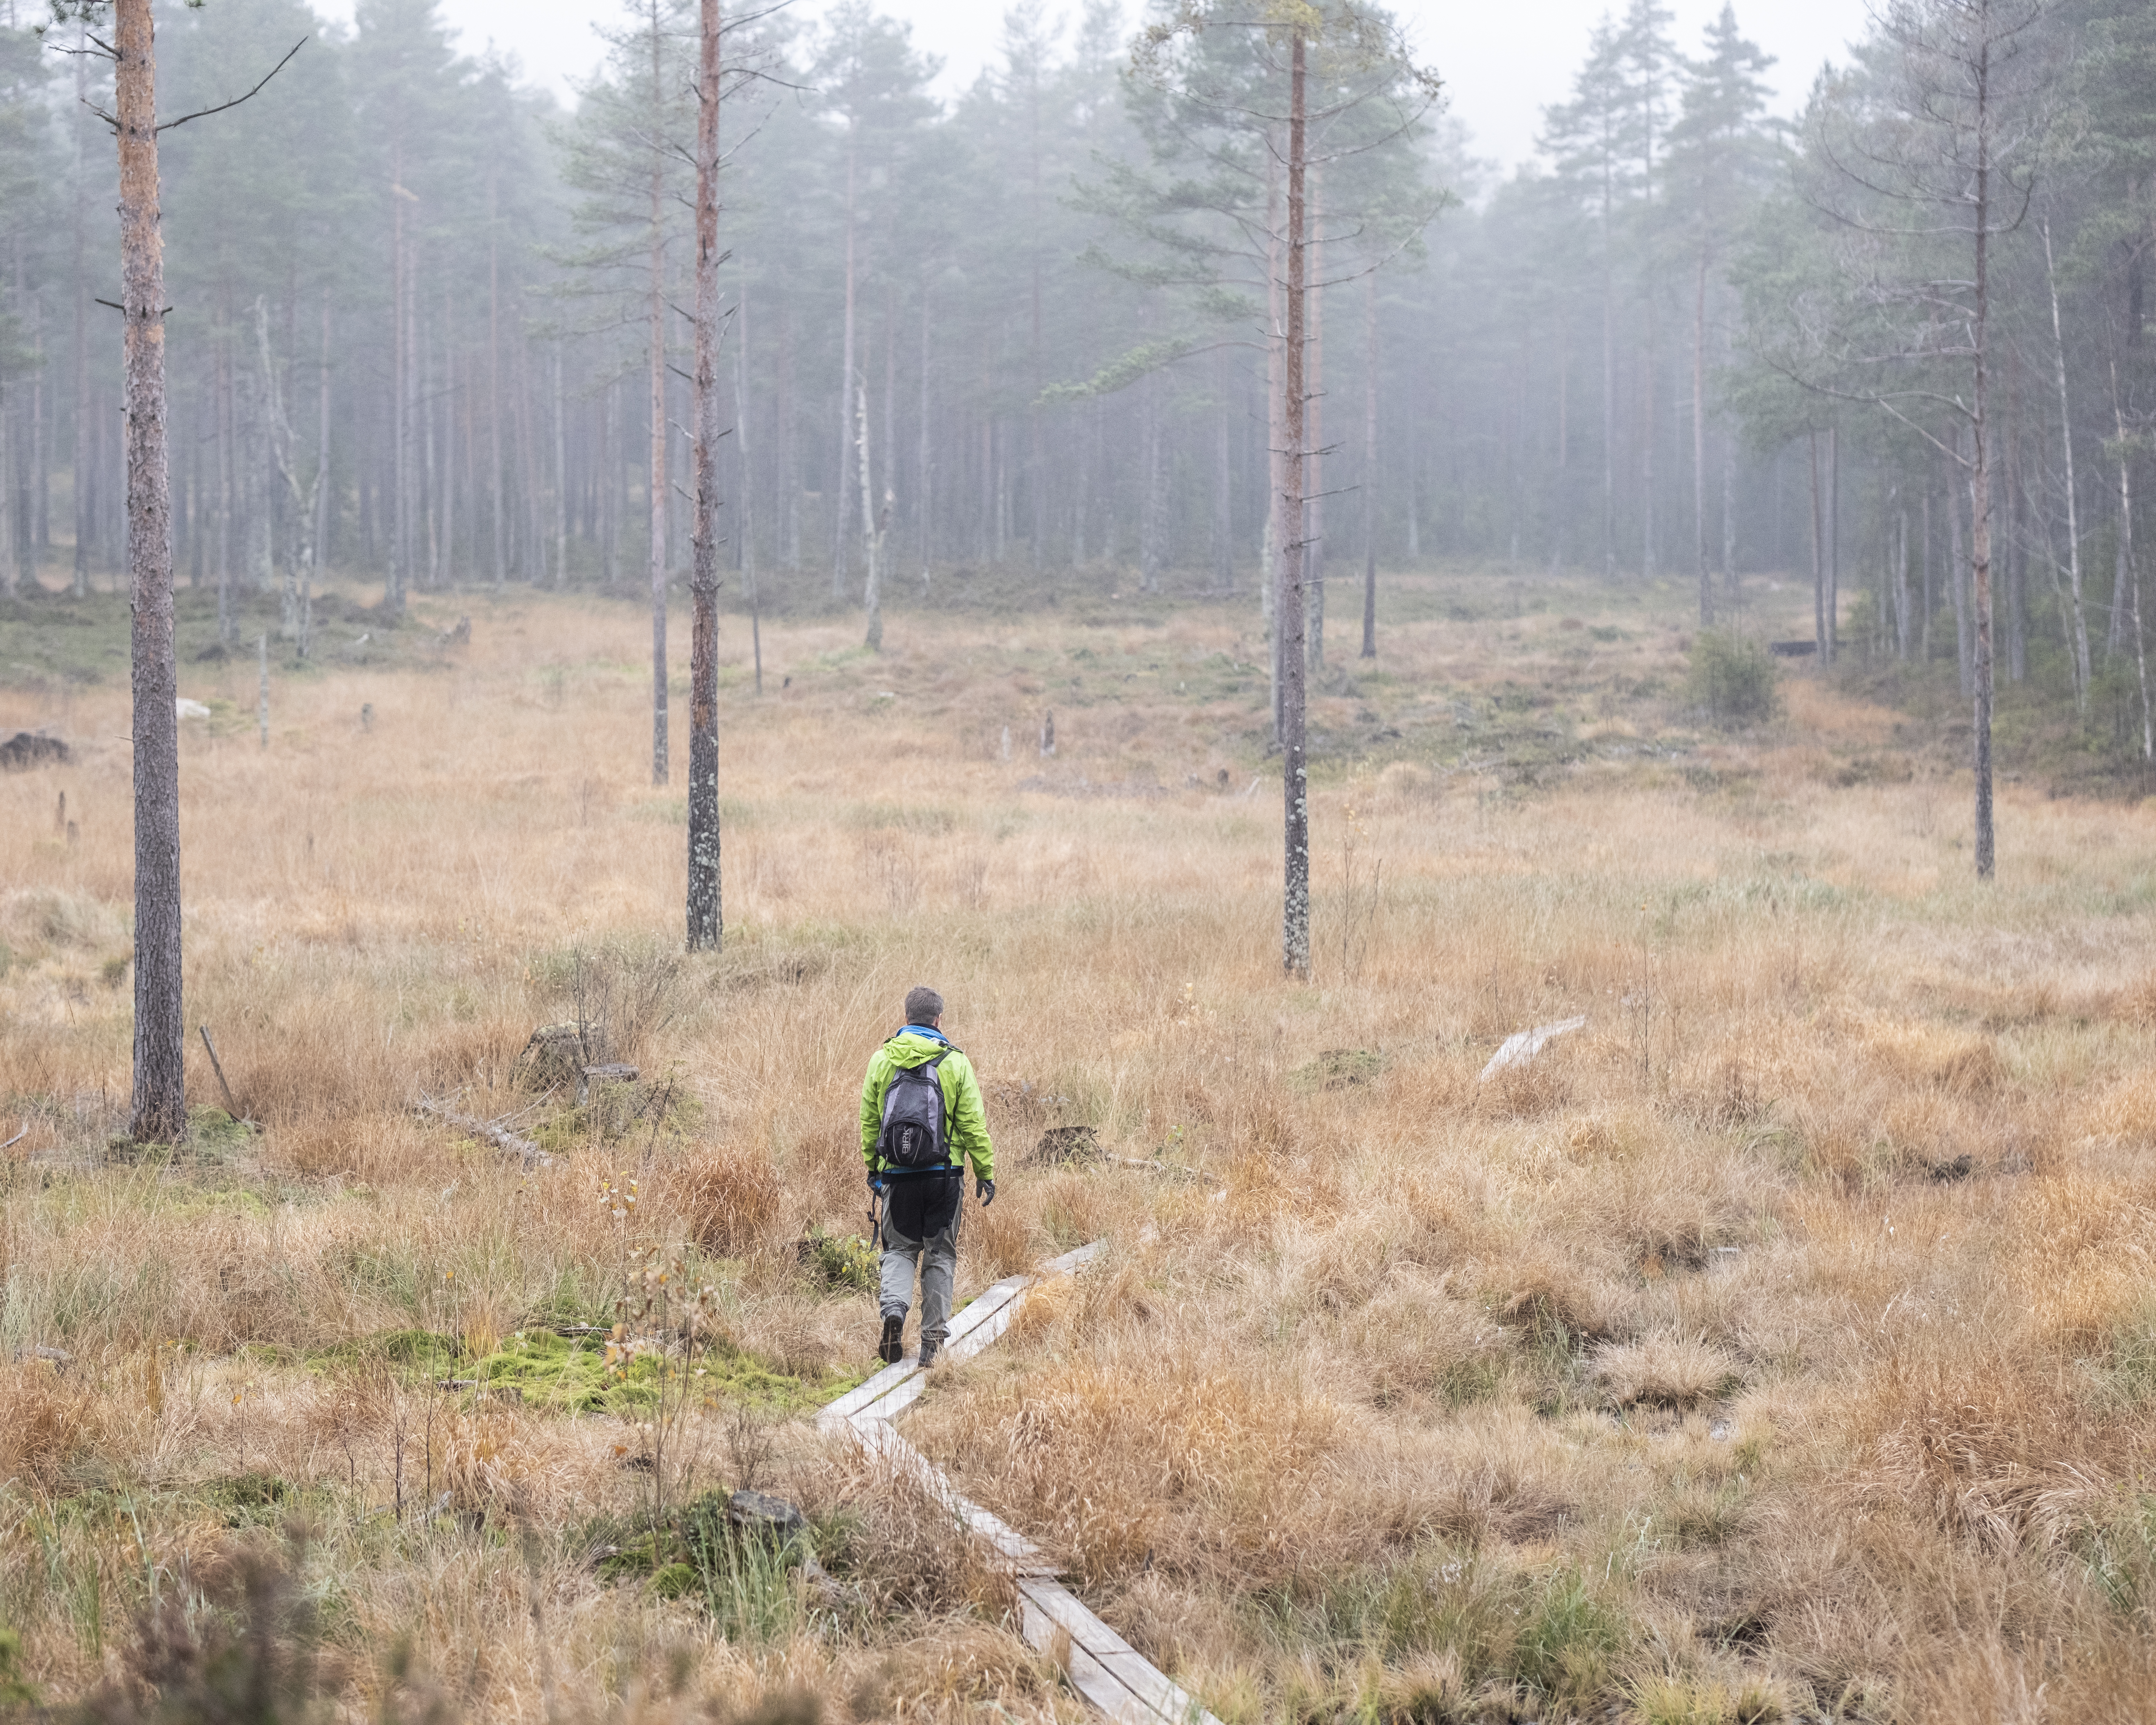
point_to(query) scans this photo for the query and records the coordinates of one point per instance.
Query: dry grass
(1777, 1346)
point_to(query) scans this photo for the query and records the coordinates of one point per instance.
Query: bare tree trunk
(871, 545)
(1313, 507)
(160, 1113)
(1833, 636)
(1149, 506)
(2126, 569)
(747, 528)
(400, 360)
(656, 366)
(1224, 469)
(84, 529)
(11, 563)
(1274, 561)
(707, 923)
(494, 385)
(1699, 444)
(920, 509)
(561, 476)
(445, 571)
(1370, 466)
(1729, 581)
(1818, 557)
(318, 547)
(1295, 903)
(1958, 576)
(846, 380)
(227, 479)
(1608, 379)
(1901, 618)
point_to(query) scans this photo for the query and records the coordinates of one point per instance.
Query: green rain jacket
(966, 1122)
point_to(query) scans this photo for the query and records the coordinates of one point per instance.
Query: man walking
(921, 1122)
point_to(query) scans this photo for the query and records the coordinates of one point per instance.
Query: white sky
(1503, 59)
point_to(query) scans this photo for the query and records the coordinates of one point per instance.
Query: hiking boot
(890, 1349)
(928, 1354)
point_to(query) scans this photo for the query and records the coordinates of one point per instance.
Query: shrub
(1732, 679)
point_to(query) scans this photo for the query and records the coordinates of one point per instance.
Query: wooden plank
(982, 1309)
(894, 1400)
(861, 1394)
(1111, 1676)
(1053, 1607)
(984, 1305)
(880, 1439)
(1070, 1261)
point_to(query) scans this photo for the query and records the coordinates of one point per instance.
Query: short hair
(923, 1005)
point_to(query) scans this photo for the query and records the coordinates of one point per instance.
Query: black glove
(987, 1188)
(875, 1180)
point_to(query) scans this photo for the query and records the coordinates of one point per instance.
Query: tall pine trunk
(655, 288)
(706, 924)
(160, 1113)
(1979, 472)
(1699, 444)
(83, 531)
(1295, 899)
(1370, 466)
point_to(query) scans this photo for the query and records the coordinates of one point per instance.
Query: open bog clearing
(1777, 1344)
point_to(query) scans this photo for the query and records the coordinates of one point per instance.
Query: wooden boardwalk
(1110, 1673)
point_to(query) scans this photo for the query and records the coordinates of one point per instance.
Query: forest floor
(1779, 1345)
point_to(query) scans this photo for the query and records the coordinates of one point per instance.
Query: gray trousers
(920, 1226)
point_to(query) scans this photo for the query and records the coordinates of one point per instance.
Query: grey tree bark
(656, 366)
(707, 923)
(1370, 466)
(1295, 781)
(160, 1109)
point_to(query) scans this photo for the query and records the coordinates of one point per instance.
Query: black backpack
(914, 1137)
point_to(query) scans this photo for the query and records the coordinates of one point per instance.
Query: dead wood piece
(1158, 1167)
(59, 1356)
(27, 749)
(1523, 1045)
(554, 1054)
(499, 1137)
(613, 1072)
(1068, 1143)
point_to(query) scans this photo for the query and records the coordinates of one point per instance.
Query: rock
(1068, 1143)
(759, 1512)
(186, 709)
(27, 749)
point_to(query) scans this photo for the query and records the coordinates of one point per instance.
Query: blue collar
(927, 1030)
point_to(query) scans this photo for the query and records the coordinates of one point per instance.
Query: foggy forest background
(1689, 340)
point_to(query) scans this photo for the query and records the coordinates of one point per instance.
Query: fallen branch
(16, 1140)
(501, 1137)
(1158, 1167)
(1524, 1046)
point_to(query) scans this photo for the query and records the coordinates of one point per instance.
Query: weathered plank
(1111, 1676)
(1523, 1045)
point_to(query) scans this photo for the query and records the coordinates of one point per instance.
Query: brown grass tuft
(1664, 1371)
(727, 1196)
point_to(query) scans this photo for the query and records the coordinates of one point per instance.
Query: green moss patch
(570, 1375)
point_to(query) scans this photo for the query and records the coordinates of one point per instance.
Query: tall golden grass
(1779, 1345)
